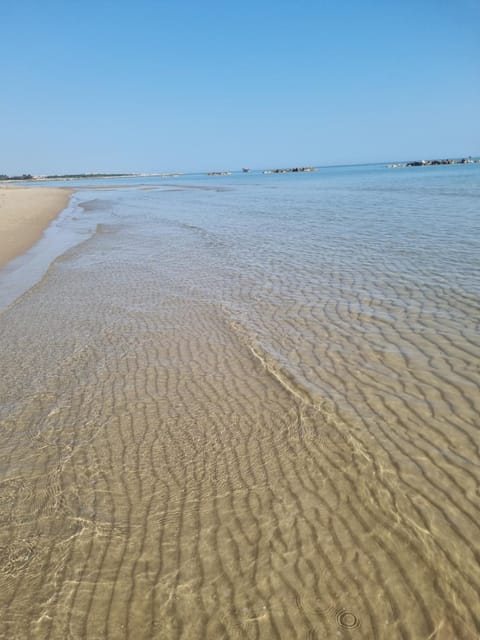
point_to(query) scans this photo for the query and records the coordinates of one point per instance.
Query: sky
(156, 85)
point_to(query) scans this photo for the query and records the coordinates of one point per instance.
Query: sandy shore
(24, 213)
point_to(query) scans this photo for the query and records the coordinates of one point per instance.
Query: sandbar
(24, 214)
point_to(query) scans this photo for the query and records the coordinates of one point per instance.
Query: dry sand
(24, 214)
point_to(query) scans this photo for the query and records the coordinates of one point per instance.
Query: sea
(245, 406)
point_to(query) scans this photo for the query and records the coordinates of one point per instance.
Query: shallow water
(247, 407)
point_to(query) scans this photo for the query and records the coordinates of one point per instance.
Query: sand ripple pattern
(200, 442)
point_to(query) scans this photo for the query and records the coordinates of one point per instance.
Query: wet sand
(164, 475)
(24, 214)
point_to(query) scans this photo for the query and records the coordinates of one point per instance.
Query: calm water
(246, 407)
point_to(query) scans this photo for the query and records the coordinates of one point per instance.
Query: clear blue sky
(155, 85)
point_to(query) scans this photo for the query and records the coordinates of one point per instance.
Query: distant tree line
(25, 176)
(64, 176)
(88, 175)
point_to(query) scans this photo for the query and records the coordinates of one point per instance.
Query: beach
(25, 212)
(247, 407)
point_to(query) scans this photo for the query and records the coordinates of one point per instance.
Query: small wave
(296, 386)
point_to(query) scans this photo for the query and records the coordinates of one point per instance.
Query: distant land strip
(431, 163)
(77, 176)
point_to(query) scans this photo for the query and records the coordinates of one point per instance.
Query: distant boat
(245, 170)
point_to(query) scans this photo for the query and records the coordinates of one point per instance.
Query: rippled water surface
(247, 407)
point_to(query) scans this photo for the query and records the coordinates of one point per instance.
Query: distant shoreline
(6, 180)
(27, 177)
